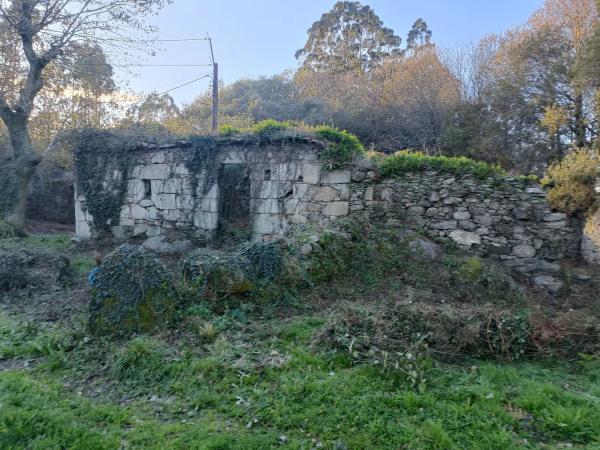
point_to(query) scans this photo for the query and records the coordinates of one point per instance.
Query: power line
(182, 40)
(185, 84)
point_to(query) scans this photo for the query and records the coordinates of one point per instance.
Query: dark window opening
(147, 189)
(234, 200)
(267, 174)
(300, 178)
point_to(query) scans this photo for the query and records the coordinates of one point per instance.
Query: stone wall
(173, 208)
(590, 245)
(287, 188)
(505, 218)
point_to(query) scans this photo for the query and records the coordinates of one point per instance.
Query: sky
(253, 38)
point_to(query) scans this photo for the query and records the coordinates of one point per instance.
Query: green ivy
(342, 149)
(131, 292)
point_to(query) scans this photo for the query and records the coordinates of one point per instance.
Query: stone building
(265, 192)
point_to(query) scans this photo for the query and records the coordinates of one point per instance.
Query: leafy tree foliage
(349, 37)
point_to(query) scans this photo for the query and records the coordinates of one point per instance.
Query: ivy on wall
(104, 159)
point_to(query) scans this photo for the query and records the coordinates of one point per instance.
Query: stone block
(461, 215)
(271, 189)
(466, 238)
(152, 172)
(206, 220)
(483, 220)
(268, 224)
(554, 217)
(324, 194)
(165, 201)
(336, 177)
(336, 209)
(209, 205)
(524, 251)
(311, 173)
(445, 225)
(266, 206)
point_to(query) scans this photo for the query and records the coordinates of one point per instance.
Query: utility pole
(215, 91)
(215, 98)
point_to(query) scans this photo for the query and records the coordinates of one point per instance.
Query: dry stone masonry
(268, 191)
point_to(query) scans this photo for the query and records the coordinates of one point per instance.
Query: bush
(573, 181)
(6, 231)
(229, 130)
(269, 127)
(405, 161)
(252, 269)
(32, 267)
(343, 146)
(131, 292)
(384, 335)
(215, 274)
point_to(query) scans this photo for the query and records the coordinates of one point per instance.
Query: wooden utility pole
(215, 98)
(215, 91)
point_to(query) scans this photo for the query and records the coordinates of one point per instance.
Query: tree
(154, 109)
(576, 20)
(419, 35)
(350, 37)
(42, 32)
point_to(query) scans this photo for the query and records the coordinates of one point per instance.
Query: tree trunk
(25, 161)
(579, 121)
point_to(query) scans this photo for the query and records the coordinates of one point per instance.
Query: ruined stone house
(269, 191)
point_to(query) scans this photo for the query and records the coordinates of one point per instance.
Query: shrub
(253, 269)
(573, 181)
(215, 274)
(32, 267)
(131, 292)
(269, 127)
(406, 161)
(229, 130)
(385, 334)
(6, 231)
(342, 148)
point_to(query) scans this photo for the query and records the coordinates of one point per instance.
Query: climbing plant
(103, 162)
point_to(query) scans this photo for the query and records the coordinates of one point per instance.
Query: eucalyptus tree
(39, 33)
(349, 37)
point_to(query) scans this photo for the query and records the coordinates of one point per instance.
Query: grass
(255, 378)
(271, 389)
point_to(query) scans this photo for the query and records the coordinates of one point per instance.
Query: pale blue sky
(260, 37)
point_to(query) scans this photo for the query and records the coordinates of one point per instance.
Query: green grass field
(256, 378)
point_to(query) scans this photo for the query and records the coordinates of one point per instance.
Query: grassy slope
(259, 384)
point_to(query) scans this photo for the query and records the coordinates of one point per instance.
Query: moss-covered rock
(131, 292)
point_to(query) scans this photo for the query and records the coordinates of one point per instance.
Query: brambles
(131, 292)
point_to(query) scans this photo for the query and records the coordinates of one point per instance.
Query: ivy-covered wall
(189, 193)
(184, 194)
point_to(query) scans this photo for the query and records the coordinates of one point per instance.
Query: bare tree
(41, 32)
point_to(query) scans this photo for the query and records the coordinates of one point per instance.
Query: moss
(131, 292)
(405, 161)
